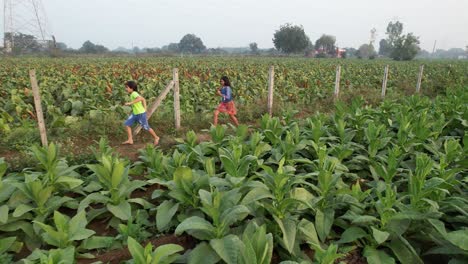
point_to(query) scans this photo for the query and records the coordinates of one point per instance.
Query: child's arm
(144, 103)
(139, 99)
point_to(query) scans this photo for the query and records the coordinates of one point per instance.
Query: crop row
(387, 183)
(93, 87)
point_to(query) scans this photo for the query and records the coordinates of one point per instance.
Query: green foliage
(66, 230)
(397, 46)
(291, 39)
(53, 256)
(389, 182)
(326, 45)
(164, 254)
(112, 175)
(191, 44)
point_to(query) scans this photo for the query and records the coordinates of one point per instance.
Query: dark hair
(226, 81)
(132, 85)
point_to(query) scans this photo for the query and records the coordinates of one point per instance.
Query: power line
(24, 18)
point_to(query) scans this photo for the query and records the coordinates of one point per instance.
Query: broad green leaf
(136, 250)
(439, 226)
(142, 202)
(310, 234)
(324, 222)
(365, 219)
(257, 194)
(379, 236)
(375, 256)
(235, 214)
(404, 254)
(122, 211)
(70, 181)
(6, 243)
(4, 214)
(165, 251)
(96, 242)
(228, 248)
(22, 209)
(352, 234)
(61, 221)
(203, 253)
(118, 174)
(288, 228)
(165, 212)
(459, 238)
(195, 223)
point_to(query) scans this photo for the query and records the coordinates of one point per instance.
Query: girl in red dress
(227, 104)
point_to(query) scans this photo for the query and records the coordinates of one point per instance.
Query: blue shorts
(140, 118)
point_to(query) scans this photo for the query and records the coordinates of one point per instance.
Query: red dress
(227, 104)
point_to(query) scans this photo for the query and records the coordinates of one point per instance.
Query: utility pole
(22, 18)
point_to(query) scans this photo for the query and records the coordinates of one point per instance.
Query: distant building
(340, 52)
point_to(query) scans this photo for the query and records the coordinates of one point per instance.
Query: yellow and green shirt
(137, 108)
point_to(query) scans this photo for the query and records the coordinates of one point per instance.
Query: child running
(138, 114)
(227, 104)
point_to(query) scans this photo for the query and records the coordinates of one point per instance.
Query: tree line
(288, 39)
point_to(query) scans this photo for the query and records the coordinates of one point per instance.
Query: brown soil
(353, 257)
(100, 227)
(147, 192)
(80, 146)
(118, 255)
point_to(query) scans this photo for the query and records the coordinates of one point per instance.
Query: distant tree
(253, 48)
(191, 44)
(385, 49)
(291, 39)
(326, 44)
(351, 52)
(23, 43)
(90, 48)
(136, 50)
(152, 50)
(172, 47)
(394, 31)
(405, 48)
(61, 46)
(402, 47)
(216, 51)
(366, 51)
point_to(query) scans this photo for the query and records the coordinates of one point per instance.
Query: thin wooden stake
(271, 80)
(175, 78)
(418, 85)
(37, 103)
(384, 82)
(155, 105)
(337, 82)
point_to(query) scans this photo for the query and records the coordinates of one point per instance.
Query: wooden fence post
(175, 78)
(418, 85)
(155, 105)
(271, 80)
(37, 103)
(384, 82)
(337, 82)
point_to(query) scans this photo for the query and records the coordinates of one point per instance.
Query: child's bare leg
(234, 119)
(129, 135)
(215, 121)
(156, 138)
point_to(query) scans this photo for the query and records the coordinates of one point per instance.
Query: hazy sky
(154, 23)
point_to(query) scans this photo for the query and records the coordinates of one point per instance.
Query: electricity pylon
(25, 17)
